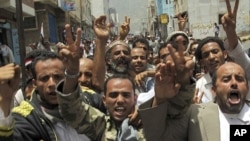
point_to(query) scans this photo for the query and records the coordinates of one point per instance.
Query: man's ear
(213, 90)
(104, 100)
(135, 98)
(225, 54)
(108, 60)
(34, 83)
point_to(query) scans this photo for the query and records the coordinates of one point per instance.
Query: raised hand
(184, 64)
(229, 23)
(182, 21)
(139, 78)
(9, 83)
(71, 51)
(101, 29)
(172, 76)
(124, 28)
(229, 19)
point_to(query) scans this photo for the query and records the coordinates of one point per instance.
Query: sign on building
(67, 5)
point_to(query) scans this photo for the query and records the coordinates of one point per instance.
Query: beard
(115, 65)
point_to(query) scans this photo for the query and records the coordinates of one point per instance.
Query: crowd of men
(192, 90)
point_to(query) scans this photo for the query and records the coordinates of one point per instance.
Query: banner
(67, 5)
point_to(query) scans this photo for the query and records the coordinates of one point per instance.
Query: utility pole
(20, 28)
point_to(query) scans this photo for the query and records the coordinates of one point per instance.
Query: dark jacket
(30, 124)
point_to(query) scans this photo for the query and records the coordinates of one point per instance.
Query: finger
(196, 92)
(64, 53)
(177, 88)
(15, 82)
(78, 38)
(172, 52)
(69, 38)
(236, 8)
(229, 10)
(170, 68)
(128, 20)
(103, 19)
(181, 50)
(137, 82)
(189, 64)
(200, 97)
(108, 25)
(159, 71)
(177, 58)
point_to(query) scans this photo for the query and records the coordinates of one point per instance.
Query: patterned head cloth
(114, 43)
(176, 33)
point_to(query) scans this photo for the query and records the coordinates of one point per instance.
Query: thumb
(14, 83)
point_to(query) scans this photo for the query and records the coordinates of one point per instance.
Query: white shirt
(204, 84)
(243, 118)
(240, 57)
(143, 97)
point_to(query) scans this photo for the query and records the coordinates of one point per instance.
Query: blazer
(167, 121)
(204, 122)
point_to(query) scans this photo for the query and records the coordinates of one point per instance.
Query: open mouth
(120, 110)
(52, 94)
(234, 97)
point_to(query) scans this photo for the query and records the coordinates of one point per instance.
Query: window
(30, 22)
(220, 16)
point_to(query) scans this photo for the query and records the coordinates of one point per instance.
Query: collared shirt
(204, 84)
(243, 118)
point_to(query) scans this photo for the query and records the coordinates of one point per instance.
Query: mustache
(122, 61)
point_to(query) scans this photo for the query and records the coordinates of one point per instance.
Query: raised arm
(229, 24)
(73, 110)
(9, 83)
(182, 20)
(124, 29)
(102, 31)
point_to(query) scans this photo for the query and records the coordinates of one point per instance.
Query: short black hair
(141, 40)
(120, 76)
(45, 55)
(215, 75)
(32, 55)
(206, 40)
(165, 45)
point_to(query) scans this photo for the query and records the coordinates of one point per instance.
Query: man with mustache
(117, 58)
(211, 121)
(212, 54)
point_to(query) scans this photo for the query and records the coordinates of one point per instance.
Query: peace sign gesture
(172, 75)
(229, 19)
(124, 29)
(229, 24)
(70, 51)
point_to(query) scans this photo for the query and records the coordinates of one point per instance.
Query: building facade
(202, 14)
